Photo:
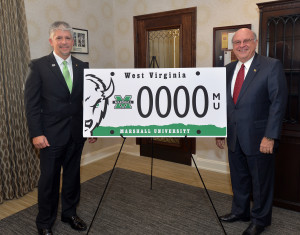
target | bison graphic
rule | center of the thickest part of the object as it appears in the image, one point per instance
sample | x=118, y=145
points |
x=96, y=101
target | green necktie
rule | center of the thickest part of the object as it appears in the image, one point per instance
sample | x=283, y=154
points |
x=67, y=76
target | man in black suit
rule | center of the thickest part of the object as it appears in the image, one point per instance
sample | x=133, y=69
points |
x=53, y=101
x=256, y=100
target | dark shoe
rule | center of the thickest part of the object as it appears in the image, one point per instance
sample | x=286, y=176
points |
x=254, y=229
x=75, y=222
x=45, y=231
x=232, y=218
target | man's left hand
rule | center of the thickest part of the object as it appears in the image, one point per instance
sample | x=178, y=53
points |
x=266, y=145
x=92, y=140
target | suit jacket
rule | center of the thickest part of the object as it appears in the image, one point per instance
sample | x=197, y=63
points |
x=260, y=107
x=50, y=108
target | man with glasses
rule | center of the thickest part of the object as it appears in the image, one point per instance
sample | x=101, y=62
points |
x=256, y=100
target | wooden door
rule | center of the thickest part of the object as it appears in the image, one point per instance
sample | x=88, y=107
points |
x=182, y=21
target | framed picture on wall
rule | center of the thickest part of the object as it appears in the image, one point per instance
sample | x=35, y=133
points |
x=222, y=44
x=81, y=42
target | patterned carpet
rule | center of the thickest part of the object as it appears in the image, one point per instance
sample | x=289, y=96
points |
x=131, y=207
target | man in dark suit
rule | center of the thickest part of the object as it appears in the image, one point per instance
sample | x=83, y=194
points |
x=53, y=101
x=256, y=100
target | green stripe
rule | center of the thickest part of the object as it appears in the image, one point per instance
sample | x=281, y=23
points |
x=173, y=130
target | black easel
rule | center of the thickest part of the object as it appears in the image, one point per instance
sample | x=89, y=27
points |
x=152, y=153
x=107, y=183
x=151, y=161
x=207, y=193
x=153, y=62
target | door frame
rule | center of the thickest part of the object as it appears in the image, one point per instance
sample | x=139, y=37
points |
x=184, y=19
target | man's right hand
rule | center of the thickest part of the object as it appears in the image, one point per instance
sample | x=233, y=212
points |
x=40, y=142
x=220, y=142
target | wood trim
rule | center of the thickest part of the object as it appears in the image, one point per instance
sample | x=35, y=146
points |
x=167, y=13
x=277, y=5
x=185, y=20
x=215, y=29
x=187, y=14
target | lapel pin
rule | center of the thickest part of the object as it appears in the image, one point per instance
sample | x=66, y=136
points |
x=53, y=65
x=254, y=70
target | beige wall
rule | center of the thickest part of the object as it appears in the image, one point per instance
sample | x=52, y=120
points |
x=95, y=16
x=110, y=28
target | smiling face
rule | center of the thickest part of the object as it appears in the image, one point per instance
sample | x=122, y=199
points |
x=244, y=44
x=62, y=43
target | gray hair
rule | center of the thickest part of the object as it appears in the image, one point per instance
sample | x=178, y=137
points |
x=59, y=25
x=254, y=35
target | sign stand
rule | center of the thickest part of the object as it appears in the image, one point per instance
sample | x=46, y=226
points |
x=107, y=183
x=151, y=160
x=207, y=193
x=112, y=171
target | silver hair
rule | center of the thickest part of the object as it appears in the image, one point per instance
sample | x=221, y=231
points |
x=59, y=25
x=254, y=35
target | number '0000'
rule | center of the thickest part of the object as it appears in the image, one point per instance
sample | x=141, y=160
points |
x=169, y=101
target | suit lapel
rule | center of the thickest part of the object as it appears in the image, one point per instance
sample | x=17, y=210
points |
x=76, y=78
x=54, y=67
x=229, y=81
x=254, y=68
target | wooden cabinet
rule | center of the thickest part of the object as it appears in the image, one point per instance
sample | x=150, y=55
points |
x=279, y=37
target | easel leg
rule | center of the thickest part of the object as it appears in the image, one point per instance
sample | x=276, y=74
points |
x=211, y=202
x=152, y=164
x=107, y=183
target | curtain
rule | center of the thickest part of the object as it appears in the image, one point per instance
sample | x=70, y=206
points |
x=19, y=163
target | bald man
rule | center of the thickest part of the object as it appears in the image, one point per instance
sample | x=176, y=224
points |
x=256, y=101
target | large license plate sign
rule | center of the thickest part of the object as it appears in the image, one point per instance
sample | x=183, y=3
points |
x=166, y=102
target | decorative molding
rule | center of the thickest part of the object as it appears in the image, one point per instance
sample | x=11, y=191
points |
x=99, y=154
x=211, y=165
x=205, y=164
x=107, y=152
x=278, y=5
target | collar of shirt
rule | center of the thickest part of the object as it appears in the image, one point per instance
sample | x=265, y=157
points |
x=60, y=61
x=247, y=65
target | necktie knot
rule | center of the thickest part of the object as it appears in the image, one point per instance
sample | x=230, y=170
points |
x=67, y=76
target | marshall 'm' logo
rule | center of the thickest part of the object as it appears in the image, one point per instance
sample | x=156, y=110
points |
x=121, y=103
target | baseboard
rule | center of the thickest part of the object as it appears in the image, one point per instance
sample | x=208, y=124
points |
x=107, y=152
x=205, y=164
x=212, y=165
x=99, y=154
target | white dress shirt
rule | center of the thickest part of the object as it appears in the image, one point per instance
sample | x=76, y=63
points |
x=237, y=69
x=60, y=61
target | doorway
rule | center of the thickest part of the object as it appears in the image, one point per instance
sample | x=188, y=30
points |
x=166, y=40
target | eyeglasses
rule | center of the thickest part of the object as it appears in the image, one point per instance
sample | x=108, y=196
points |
x=246, y=41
